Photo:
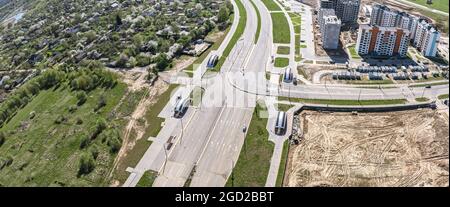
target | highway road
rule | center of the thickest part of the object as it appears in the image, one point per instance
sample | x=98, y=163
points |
x=216, y=164
x=209, y=142
x=212, y=143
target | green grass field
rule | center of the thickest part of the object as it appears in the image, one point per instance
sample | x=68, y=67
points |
x=422, y=99
x=237, y=34
x=253, y=164
x=370, y=82
x=281, y=62
x=283, y=162
x=46, y=152
x=281, y=31
x=444, y=96
x=154, y=122
x=271, y=5
x=258, y=28
x=297, y=21
x=344, y=102
x=441, y=5
x=147, y=179
x=283, y=50
x=353, y=53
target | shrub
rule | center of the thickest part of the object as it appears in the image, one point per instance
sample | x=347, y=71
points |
x=2, y=138
x=81, y=97
x=72, y=109
x=114, y=144
x=32, y=115
x=99, y=127
x=85, y=142
x=87, y=164
x=101, y=103
x=94, y=152
x=60, y=119
x=79, y=121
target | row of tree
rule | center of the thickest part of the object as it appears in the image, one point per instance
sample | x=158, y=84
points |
x=84, y=79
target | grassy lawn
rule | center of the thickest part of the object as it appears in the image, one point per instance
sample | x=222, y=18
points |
x=197, y=95
x=298, y=55
x=154, y=126
x=154, y=122
x=271, y=5
x=283, y=50
x=282, y=169
x=441, y=5
x=283, y=107
x=237, y=34
x=253, y=165
x=345, y=102
x=295, y=18
x=353, y=53
x=46, y=153
x=281, y=30
x=370, y=82
x=147, y=179
x=444, y=96
x=422, y=99
x=258, y=28
x=281, y=62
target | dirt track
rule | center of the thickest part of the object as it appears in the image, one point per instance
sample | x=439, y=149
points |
x=379, y=149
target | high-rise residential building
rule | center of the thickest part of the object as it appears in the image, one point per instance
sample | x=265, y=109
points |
x=346, y=10
x=327, y=4
x=424, y=36
x=382, y=41
x=426, y=39
x=323, y=13
x=330, y=28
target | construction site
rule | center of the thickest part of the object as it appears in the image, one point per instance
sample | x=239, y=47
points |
x=394, y=149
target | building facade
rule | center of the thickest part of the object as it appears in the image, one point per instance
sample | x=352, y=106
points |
x=382, y=41
x=423, y=35
x=426, y=39
x=330, y=30
x=346, y=10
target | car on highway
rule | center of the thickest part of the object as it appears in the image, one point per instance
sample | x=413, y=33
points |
x=281, y=123
x=212, y=61
x=288, y=76
x=181, y=107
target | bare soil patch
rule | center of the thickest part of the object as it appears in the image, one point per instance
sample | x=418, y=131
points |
x=407, y=148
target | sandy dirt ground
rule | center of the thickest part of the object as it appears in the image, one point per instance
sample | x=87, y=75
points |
x=135, y=79
x=407, y=148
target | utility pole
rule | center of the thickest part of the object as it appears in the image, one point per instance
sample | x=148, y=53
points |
x=165, y=163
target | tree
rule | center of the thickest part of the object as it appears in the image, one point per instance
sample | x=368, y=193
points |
x=101, y=102
x=118, y=20
x=2, y=138
x=85, y=142
x=122, y=61
x=162, y=62
x=223, y=14
x=114, y=144
x=87, y=164
x=90, y=36
x=229, y=5
x=82, y=97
